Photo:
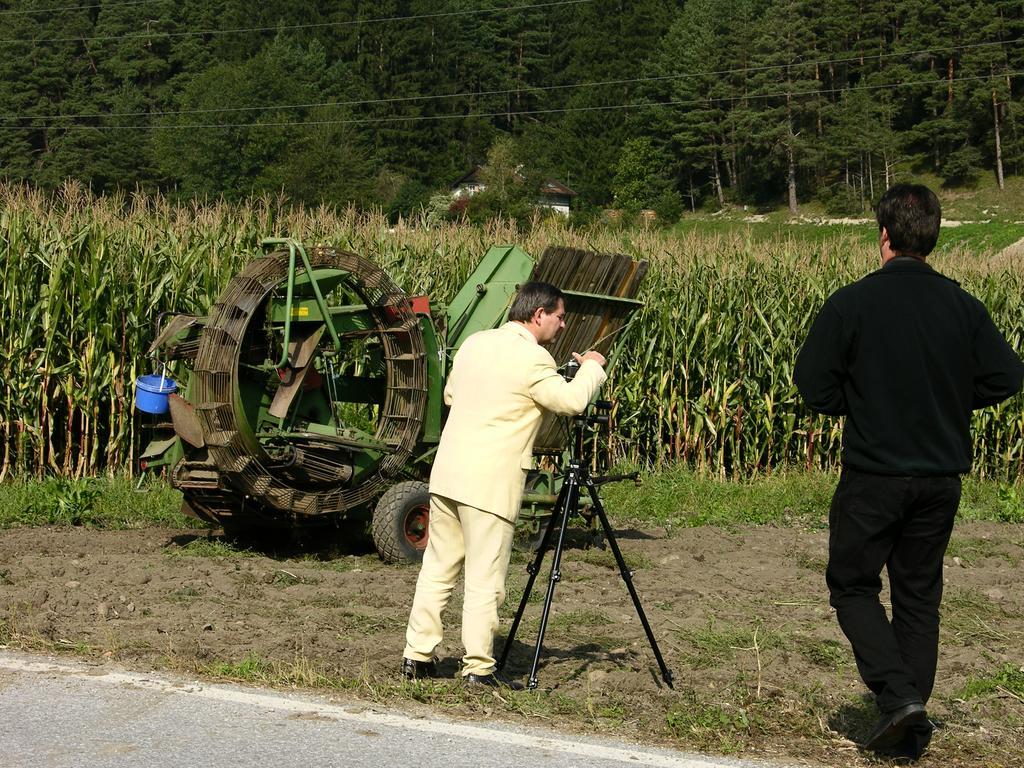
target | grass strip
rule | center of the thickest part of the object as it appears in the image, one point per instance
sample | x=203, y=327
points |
x=682, y=498
x=673, y=498
x=112, y=503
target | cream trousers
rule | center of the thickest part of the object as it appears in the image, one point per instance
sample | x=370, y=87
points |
x=461, y=535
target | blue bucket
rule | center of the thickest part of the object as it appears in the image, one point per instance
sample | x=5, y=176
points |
x=151, y=392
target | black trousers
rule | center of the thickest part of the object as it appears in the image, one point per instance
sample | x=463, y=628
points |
x=903, y=524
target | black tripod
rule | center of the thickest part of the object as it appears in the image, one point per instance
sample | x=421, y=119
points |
x=577, y=476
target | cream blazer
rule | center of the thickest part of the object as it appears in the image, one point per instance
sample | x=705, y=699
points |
x=500, y=383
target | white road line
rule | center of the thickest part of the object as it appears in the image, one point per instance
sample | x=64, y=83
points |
x=359, y=714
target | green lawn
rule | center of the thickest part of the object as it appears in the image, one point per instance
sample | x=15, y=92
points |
x=993, y=219
x=978, y=237
x=682, y=498
x=116, y=503
x=672, y=498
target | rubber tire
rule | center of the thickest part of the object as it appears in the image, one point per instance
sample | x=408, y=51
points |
x=391, y=520
x=528, y=543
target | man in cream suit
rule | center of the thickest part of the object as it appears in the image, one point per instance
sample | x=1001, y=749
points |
x=501, y=382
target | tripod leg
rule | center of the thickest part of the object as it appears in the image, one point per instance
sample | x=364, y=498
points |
x=666, y=673
x=533, y=569
x=570, y=503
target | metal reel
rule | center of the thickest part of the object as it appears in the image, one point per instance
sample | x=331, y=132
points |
x=326, y=431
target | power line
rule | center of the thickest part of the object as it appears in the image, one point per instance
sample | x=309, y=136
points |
x=525, y=113
x=27, y=11
x=525, y=89
x=293, y=27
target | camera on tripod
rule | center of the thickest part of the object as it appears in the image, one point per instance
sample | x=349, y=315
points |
x=586, y=430
x=589, y=430
x=598, y=415
x=570, y=369
x=590, y=436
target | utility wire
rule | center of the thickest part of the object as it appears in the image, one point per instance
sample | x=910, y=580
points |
x=506, y=91
x=292, y=27
x=27, y=11
x=530, y=112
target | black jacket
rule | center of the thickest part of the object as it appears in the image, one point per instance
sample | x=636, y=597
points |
x=906, y=354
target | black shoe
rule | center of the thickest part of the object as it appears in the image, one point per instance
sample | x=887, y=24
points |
x=892, y=727
x=914, y=742
x=413, y=670
x=493, y=680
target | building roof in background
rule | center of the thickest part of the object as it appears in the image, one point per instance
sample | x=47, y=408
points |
x=472, y=177
x=554, y=187
x=547, y=187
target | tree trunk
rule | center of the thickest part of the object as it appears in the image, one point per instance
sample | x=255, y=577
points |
x=730, y=171
x=717, y=178
x=1009, y=116
x=519, y=76
x=819, y=126
x=999, y=145
x=733, y=165
x=791, y=158
x=949, y=84
x=862, y=181
x=791, y=161
x=871, y=177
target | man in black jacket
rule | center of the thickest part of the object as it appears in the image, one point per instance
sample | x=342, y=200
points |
x=906, y=355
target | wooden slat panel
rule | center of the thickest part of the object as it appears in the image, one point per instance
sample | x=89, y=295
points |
x=589, y=324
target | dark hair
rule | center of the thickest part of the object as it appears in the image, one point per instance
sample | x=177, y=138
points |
x=534, y=296
x=911, y=214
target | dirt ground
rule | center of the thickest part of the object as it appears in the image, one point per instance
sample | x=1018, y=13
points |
x=741, y=616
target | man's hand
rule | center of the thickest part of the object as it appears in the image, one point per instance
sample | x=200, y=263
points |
x=597, y=357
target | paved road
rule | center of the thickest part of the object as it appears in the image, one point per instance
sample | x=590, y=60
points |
x=58, y=714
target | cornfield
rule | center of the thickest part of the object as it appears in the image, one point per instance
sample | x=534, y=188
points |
x=704, y=376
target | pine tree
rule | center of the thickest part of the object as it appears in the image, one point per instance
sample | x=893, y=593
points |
x=45, y=75
x=783, y=95
x=997, y=26
x=690, y=97
x=938, y=130
x=603, y=42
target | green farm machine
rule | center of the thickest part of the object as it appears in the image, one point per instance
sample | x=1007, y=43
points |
x=311, y=393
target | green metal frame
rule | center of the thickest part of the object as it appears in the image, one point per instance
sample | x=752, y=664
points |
x=484, y=299
x=294, y=247
x=433, y=415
